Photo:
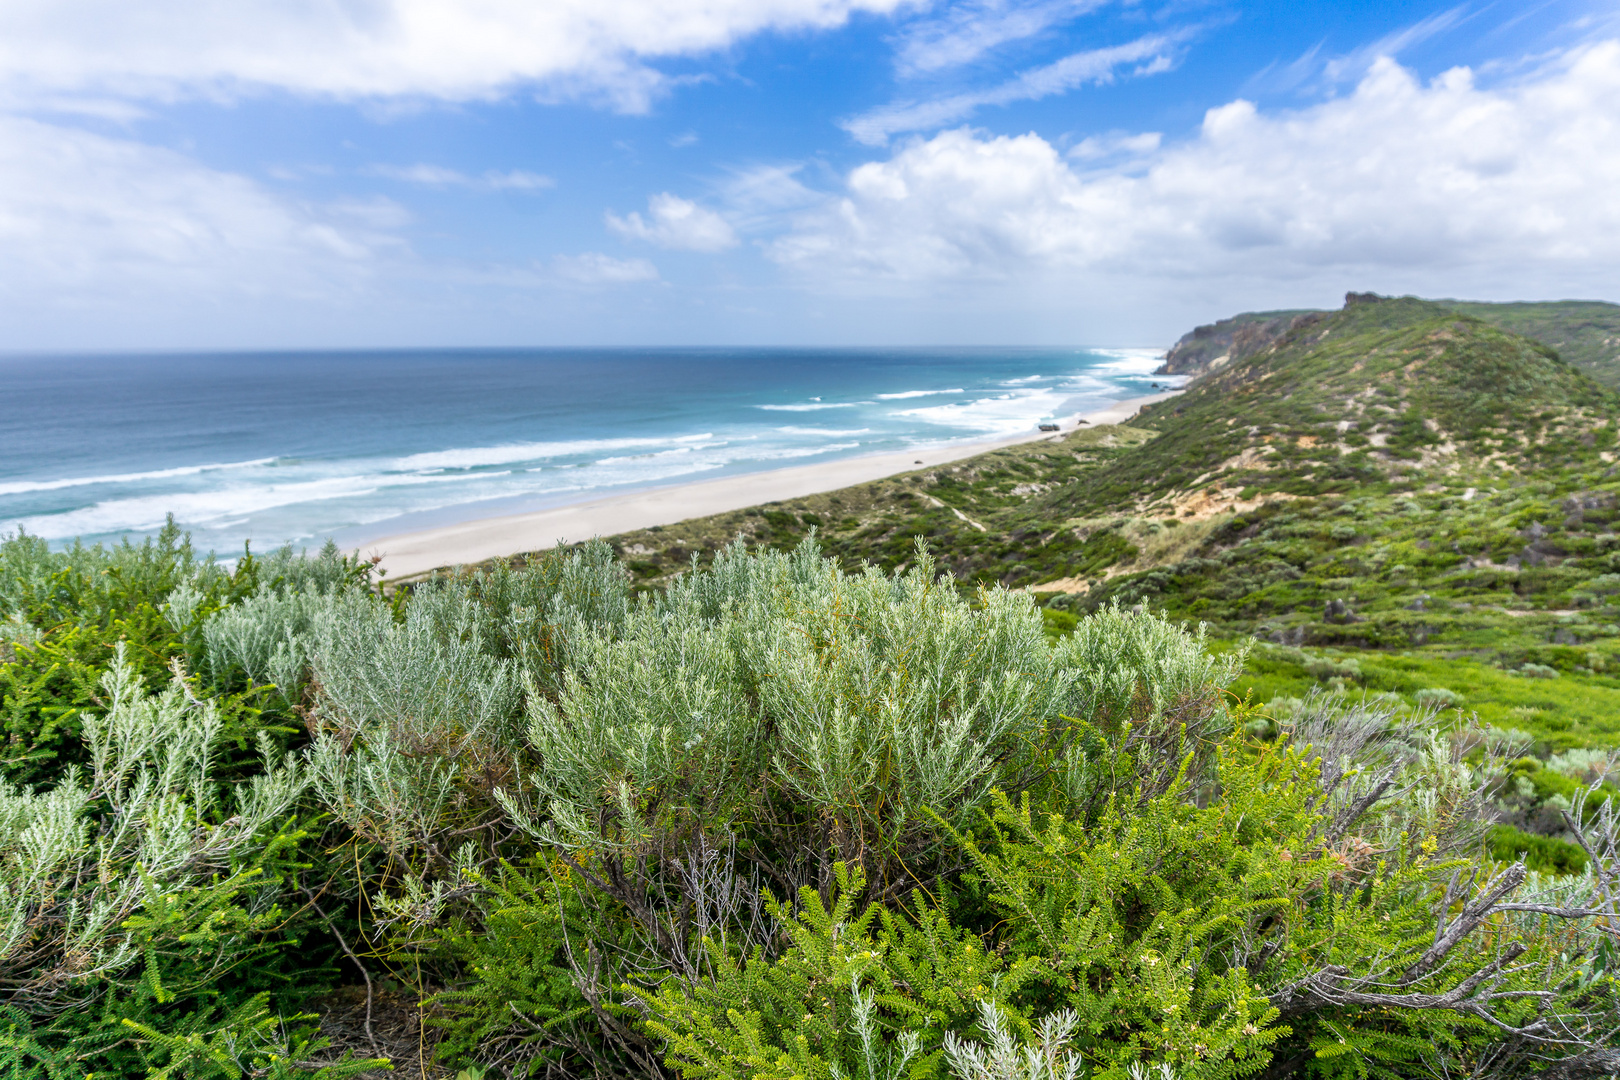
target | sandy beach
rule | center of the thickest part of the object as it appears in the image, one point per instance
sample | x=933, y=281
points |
x=410, y=554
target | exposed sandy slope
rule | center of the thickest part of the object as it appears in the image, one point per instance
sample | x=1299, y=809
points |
x=409, y=554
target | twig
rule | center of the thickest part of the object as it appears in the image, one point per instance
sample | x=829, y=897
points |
x=364, y=974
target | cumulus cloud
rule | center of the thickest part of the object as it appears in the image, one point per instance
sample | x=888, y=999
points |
x=437, y=176
x=676, y=223
x=445, y=49
x=1150, y=53
x=84, y=215
x=1444, y=177
x=595, y=268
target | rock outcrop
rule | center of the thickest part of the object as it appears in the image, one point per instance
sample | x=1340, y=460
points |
x=1212, y=346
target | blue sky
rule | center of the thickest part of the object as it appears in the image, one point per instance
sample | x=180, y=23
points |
x=382, y=172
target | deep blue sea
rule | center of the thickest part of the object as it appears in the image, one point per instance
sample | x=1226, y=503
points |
x=296, y=447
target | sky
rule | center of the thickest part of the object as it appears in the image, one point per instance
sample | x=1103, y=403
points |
x=350, y=173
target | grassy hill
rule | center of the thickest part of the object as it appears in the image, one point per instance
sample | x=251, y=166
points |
x=1584, y=332
x=1424, y=500
x=1380, y=389
x=1390, y=423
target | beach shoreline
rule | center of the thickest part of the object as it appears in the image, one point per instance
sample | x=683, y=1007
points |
x=408, y=555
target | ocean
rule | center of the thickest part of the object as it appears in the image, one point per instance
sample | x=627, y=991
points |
x=278, y=448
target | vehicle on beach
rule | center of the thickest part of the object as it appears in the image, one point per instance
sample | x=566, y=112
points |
x=1049, y=423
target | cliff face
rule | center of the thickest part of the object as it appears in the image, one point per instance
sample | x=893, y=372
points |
x=1219, y=343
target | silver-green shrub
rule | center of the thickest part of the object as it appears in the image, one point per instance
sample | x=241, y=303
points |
x=865, y=702
x=404, y=712
x=148, y=817
x=295, y=570
x=1001, y=1057
x=267, y=635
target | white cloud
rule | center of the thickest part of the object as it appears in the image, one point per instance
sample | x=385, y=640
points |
x=676, y=223
x=965, y=32
x=440, y=177
x=764, y=198
x=514, y=180
x=595, y=268
x=445, y=49
x=1435, y=182
x=1116, y=145
x=91, y=220
x=1092, y=66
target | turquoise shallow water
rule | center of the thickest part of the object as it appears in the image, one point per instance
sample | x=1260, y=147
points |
x=295, y=447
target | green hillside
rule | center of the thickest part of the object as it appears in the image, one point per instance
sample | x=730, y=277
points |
x=1585, y=332
x=1380, y=389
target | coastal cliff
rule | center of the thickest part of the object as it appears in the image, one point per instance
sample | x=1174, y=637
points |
x=1217, y=343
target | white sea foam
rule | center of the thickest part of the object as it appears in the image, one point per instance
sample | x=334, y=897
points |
x=830, y=432
x=804, y=451
x=917, y=393
x=212, y=507
x=23, y=487
x=660, y=461
x=1082, y=381
x=1002, y=414
x=474, y=456
x=814, y=406
x=1130, y=361
x=672, y=452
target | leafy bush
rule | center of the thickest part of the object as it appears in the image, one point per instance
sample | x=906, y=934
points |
x=1545, y=854
x=855, y=993
x=517, y=951
x=1177, y=934
x=1439, y=698
x=849, y=709
x=142, y=892
x=777, y=819
x=145, y=824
